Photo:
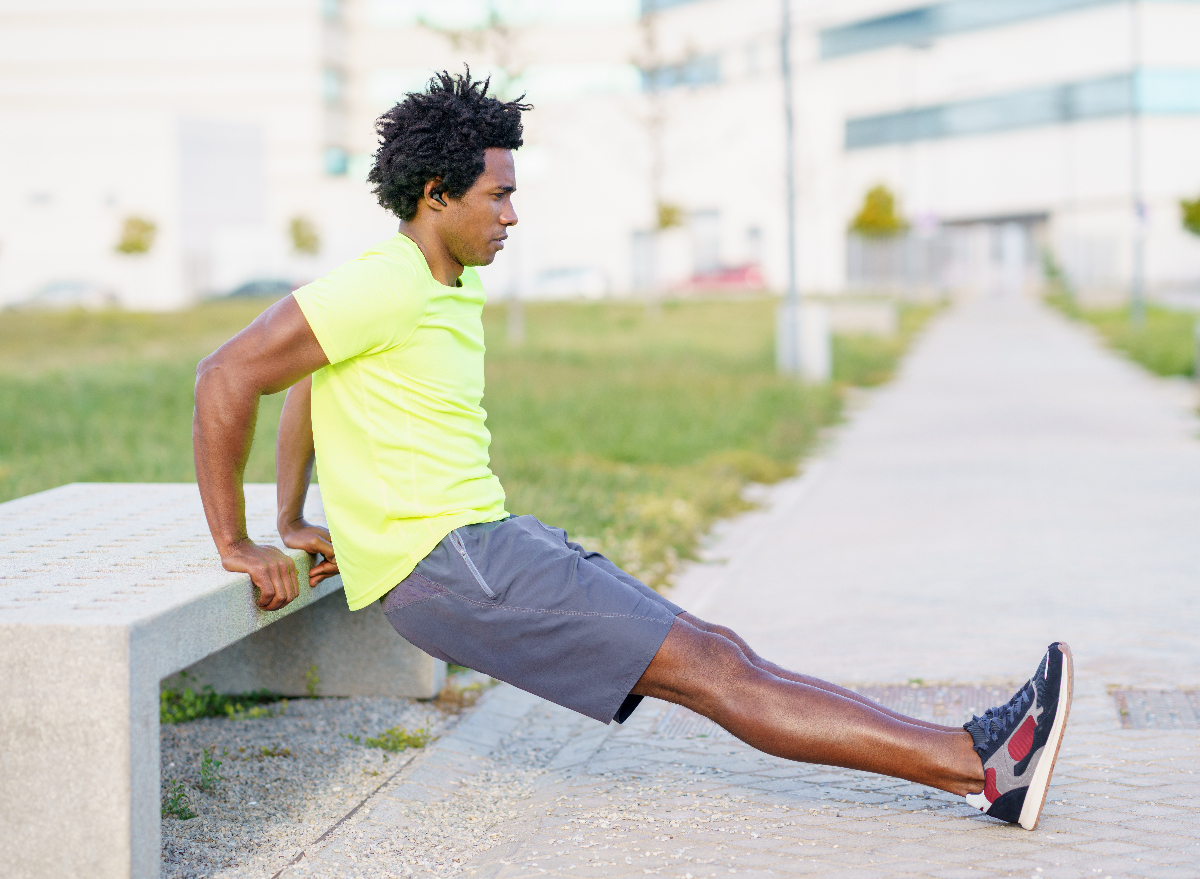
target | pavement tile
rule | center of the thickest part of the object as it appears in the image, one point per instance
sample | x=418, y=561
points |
x=1110, y=847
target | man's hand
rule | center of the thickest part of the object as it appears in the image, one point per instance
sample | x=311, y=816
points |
x=313, y=539
x=273, y=572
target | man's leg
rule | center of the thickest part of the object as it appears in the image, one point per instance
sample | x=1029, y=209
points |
x=712, y=675
x=787, y=675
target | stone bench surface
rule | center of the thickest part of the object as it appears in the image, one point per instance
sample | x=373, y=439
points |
x=138, y=556
x=105, y=590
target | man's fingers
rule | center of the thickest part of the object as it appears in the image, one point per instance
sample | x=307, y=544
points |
x=285, y=570
x=327, y=568
x=266, y=590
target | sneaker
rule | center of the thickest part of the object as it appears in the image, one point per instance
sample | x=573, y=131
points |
x=1018, y=742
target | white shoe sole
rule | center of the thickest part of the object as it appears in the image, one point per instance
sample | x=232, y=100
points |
x=1039, y=785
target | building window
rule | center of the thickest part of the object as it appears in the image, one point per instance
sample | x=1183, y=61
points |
x=337, y=161
x=927, y=23
x=333, y=83
x=1155, y=91
x=649, y=6
x=701, y=70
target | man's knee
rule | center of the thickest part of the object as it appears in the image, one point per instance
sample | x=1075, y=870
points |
x=723, y=631
x=696, y=664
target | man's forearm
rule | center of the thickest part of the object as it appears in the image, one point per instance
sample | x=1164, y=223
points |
x=222, y=431
x=294, y=453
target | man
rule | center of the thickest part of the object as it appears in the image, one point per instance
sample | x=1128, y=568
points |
x=384, y=359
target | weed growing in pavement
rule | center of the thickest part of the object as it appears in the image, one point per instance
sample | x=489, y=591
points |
x=312, y=682
x=398, y=738
x=210, y=769
x=454, y=698
x=187, y=703
x=176, y=804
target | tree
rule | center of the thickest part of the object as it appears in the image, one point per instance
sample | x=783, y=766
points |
x=1191, y=215
x=137, y=235
x=304, y=236
x=877, y=218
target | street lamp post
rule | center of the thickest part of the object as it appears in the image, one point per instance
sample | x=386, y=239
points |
x=1138, y=285
x=787, y=332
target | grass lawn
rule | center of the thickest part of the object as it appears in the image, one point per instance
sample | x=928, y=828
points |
x=1165, y=344
x=634, y=433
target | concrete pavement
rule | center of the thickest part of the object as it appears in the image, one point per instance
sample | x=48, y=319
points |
x=1016, y=484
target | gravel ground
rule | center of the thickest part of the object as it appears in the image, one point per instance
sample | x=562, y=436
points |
x=285, y=779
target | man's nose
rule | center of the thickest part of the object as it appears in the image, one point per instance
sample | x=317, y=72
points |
x=508, y=217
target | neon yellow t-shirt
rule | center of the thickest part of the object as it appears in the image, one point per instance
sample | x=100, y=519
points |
x=402, y=446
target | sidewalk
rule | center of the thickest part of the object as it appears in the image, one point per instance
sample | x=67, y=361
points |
x=1015, y=485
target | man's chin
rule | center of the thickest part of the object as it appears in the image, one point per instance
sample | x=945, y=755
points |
x=480, y=260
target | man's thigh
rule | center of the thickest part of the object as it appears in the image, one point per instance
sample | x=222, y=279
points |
x=516, y=602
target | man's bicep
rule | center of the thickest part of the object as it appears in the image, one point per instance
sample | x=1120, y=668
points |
x=277, y=350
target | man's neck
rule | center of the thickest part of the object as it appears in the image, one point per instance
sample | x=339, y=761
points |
x=444, y=268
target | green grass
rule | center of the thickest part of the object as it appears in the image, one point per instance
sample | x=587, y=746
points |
x=866, y=361
x=107, y=396
x=634, y=433
x=1165, y=344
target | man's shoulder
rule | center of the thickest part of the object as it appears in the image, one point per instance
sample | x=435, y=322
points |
x=389, y=266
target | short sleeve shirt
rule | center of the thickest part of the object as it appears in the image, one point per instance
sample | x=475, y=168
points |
x=401, y=439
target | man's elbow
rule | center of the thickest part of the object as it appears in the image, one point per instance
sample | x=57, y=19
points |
x=215, y=378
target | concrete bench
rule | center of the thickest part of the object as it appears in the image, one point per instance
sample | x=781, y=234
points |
x=107, y=589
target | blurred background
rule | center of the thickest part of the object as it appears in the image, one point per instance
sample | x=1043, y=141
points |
x=157, y=153
x=168, y=168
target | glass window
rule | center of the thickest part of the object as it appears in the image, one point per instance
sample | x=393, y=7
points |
x=332, y=85
x=1158, y=91
x=337, y=161
x=701, y=70
x=927, y=23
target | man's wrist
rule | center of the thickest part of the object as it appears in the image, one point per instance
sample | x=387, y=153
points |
x=289, y=523
x=229, y=546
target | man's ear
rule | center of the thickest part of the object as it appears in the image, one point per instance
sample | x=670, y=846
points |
x=433, y=197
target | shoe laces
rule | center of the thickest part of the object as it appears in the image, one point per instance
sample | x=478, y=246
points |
x=998, y=719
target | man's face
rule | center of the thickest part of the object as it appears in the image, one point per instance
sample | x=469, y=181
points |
x=474, y=227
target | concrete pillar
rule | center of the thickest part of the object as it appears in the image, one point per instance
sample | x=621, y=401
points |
x=807, y=323
x=78, y=756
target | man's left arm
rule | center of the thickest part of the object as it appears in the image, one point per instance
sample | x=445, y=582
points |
x=295, y=454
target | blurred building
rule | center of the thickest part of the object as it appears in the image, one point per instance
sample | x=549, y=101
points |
x=1017, y=134
x=159, y=152
x=228, y=133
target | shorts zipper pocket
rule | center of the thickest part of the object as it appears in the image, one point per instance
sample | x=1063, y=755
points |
x=462, y=551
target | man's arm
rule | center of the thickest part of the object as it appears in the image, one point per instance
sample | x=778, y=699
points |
x=294, y=458
x=277, y=350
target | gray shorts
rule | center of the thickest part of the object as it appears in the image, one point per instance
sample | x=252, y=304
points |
x=518, y=601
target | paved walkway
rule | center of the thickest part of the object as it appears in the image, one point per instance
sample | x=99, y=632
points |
x=1016, y=484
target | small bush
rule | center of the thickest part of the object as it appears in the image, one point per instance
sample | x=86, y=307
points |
x=137, y=236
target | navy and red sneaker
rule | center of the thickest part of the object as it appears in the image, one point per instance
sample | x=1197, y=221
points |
x=1018, y=742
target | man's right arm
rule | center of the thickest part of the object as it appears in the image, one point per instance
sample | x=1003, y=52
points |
x=277, y=350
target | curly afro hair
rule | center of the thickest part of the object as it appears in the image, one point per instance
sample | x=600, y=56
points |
x=440, y=134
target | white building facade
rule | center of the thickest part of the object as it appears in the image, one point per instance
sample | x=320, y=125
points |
x=1014, y=133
